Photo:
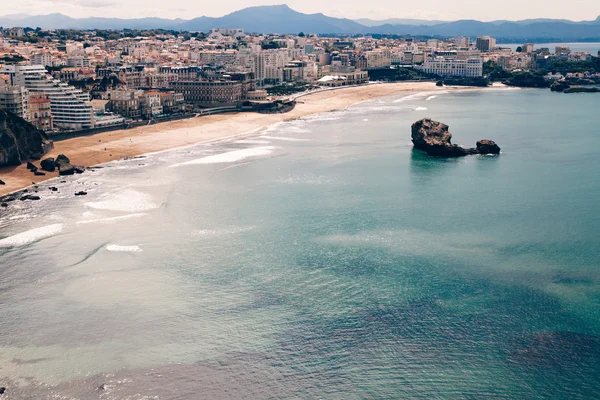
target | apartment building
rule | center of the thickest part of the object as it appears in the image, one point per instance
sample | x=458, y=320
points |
x=70, y=107
x=378, y=59
x=41, y=112
x=41, y=59
x=485, y=43
x=14, y=99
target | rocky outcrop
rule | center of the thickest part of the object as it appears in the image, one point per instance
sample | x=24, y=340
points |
x=435, y=139
x=20, y=140
x=486, y=146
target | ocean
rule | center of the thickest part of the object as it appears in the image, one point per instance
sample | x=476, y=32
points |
x=320, y=258
x=590, y=47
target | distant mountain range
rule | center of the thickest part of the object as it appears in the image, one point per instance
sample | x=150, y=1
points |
x=282, y=19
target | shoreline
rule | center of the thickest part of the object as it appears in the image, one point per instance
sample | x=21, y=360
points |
x=115, y=145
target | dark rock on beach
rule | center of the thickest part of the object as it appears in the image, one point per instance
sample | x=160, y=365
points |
x=53, y=188
x=39, y=173
x=435, y=139
x=4, y=205
x=79, y=169
x=61, y=159
x=2, y=182
x=29, y=197
x=2, y=389
x=31, y=167
x=66, y=169
x=47, y=164
x=81, y=193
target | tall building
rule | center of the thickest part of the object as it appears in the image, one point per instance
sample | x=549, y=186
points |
x=462, y=41
x=485, y=43
x=70, y=107
x=14, y=99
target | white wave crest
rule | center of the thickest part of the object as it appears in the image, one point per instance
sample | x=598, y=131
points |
x=420, y=108
x=220, y=232
x=31, y=236
x=126, y=201
x=252, y=141
x=111, y=219
x=430, y=98
x=231, y=156
x=284, y=139
x=128, y=249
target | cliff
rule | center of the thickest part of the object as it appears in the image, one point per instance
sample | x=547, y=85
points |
x=20, y=141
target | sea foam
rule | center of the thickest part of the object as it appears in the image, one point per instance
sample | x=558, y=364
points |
x=111, y=219
x=284, y=139
x=126, y=201
x=125, y=249
x=31, y=236
x=230, y=156
x=420, y=108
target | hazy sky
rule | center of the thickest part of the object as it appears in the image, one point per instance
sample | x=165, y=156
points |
x=376, y=9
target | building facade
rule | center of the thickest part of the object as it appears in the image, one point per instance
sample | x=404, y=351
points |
x=70, y=107
x=471, y=68
x=210, y=93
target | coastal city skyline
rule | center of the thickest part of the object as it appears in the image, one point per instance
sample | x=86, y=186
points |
x=512, y=10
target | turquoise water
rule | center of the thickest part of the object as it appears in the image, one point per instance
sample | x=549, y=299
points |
x=321, y=258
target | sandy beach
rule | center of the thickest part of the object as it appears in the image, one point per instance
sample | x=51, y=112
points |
x=109, y=146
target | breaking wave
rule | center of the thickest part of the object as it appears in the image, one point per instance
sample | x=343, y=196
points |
x=127, y=249
x=31, y=236
x=126, y=201
x=231, y=156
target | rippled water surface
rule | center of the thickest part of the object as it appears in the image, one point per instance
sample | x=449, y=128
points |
x=320, y=258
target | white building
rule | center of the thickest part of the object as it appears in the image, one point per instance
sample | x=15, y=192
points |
x=471, y=68
x=14, y=99
x=41, y=59
x=70, y=107
x=378, y=59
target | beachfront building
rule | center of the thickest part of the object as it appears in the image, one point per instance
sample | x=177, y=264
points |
x=41, y=112
x=470, y=68
x=210, y=93
x=70, y=107
x=125, y=102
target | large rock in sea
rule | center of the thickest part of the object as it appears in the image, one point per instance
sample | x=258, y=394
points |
x=435, y=138
x=20, y=140
x=486, y=146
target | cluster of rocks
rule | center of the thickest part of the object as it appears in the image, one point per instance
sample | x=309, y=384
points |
x=61, y=163
x=435, y=139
